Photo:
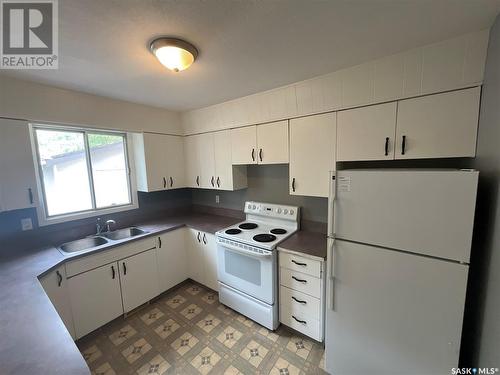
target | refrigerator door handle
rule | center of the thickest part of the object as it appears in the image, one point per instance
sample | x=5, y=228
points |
x=331, y=272
x=331, y=204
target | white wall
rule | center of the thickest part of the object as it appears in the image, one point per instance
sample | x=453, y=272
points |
x=36, y=102
x=448, y=65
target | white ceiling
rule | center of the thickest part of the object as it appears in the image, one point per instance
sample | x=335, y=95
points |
x=245, y=46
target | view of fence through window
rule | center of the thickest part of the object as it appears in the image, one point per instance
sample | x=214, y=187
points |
x=82, y=170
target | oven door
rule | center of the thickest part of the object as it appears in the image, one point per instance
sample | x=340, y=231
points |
x=251, y=273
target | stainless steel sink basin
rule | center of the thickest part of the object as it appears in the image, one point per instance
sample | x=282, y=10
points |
x=121, y=234
x=83, y=244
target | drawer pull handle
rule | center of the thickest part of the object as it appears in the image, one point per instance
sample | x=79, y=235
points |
x=299, y=301
x=299, y=280
x=300, y=321
x=112, y=272
x=124, y=268
x=299, y=264
x=59, y=278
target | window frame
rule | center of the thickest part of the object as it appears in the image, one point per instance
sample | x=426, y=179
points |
x=43, y=216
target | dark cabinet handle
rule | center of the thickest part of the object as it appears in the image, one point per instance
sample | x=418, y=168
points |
x=298, y=263
x=159, y=242
x=198, y=180
x=59, y=278
x=299, y=301
x=112, y=272
x=299, y=280
x=386, y=146
x=403, y=145
x=212, y=181
x=30, y=195
x=300, y=321
x=124, y=268
x=171, y=182
x=218, y=181
x=293, y=184
x=260, y=154
x=164, y=183
x=253, y=154
x=204, y=238
x=198, y=236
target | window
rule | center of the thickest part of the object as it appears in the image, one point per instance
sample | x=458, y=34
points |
x=82, y=171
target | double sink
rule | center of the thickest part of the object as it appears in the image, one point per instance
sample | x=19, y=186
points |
x=101, y=239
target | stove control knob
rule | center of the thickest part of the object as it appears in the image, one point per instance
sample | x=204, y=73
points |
x=278, y=210
x=285, y=211
x=291, y=212
x=254, y=207
x=249, y=206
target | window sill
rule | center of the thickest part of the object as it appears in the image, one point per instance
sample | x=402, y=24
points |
x=44, y=221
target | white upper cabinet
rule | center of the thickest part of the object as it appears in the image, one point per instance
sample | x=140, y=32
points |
x=272, y=143
x=366, y=133
x=206, y=159
x=17, y=169
x=227, y=176
x=312, y=154
x=260, y=144
x=243, y=145
x=159, y=161
x=438, y=126
x=192, y=161
x=452, y=64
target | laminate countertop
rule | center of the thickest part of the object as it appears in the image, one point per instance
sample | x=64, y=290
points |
x=311, y=244
x=33, y=339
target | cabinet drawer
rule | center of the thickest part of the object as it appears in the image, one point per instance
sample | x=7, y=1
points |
x=299, y=303
x=300, y=264
x=304, y=324
x=301, y=282
x=91, y=261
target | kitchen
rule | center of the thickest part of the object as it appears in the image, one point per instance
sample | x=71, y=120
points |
x=202, y=212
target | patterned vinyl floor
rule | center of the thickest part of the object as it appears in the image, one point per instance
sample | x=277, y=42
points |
x=187, y=331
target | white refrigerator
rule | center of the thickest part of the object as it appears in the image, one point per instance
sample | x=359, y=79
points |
x=398, y=259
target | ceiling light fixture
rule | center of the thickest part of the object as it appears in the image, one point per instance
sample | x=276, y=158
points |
x=175, y=54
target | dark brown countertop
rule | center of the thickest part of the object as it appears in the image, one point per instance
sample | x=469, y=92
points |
x=34, y=339
x=308, y=243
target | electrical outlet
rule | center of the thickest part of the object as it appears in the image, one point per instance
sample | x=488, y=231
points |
x=217, y=200
x=26, y=224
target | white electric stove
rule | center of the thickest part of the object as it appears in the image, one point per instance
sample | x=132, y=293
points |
x=247, y=260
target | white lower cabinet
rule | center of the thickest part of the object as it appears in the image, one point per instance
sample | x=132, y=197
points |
x=202, y=256
x=56, y=288
x=139, y=279
x=302, y=291
x=95, y=298
x=172, y=259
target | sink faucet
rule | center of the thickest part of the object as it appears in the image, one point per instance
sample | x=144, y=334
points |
x=107, y=225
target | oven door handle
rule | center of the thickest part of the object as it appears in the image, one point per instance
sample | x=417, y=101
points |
x=236, y=249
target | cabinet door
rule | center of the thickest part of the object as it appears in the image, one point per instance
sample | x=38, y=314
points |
x=16, y=166
x=155, y=155
x=55, y=287
x=210, y=253
x=196, y=268
x=223, y=161
x=95, y=298
x=366, y=133
x=244, y=144
x=438, y=126
x=174, y=161
x=139, y=279
x=272, y=141
x=312, y=154
x=172, y=259
x=191, y=153
x=207, y=160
